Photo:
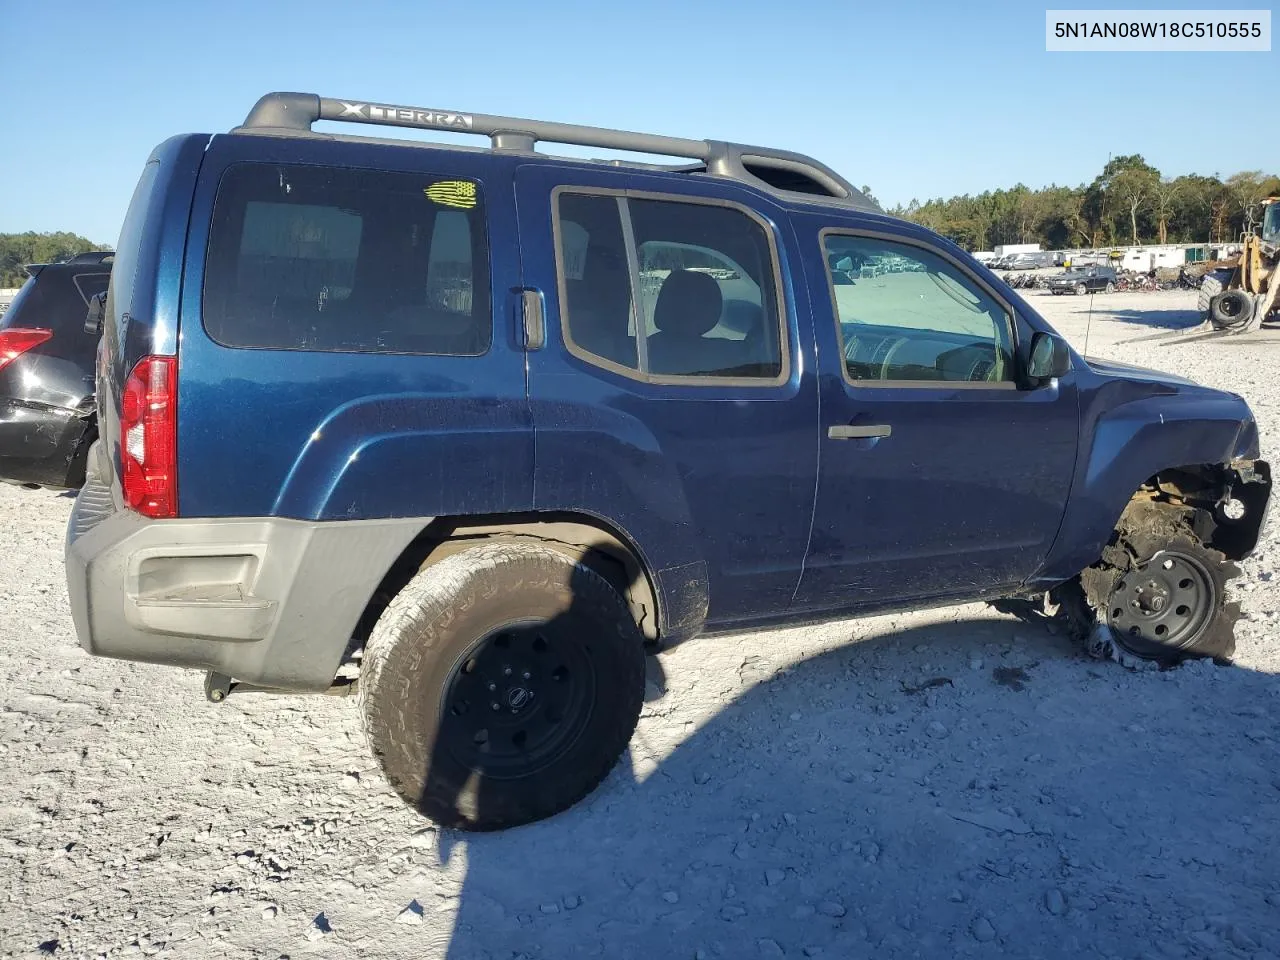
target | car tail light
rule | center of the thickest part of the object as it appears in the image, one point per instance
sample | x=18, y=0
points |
x=18, y=340
x=149, y=437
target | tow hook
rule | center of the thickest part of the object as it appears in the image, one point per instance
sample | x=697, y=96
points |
x=219, y=686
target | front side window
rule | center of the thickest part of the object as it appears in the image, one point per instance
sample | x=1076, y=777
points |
x=321, y=258
x=667, y=289
x=908, y=314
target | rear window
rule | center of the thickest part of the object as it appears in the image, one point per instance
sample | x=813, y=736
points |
x=320, y=258
x=24, y=307
x=54, y=298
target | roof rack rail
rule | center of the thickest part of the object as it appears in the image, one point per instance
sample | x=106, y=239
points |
x=776, y=171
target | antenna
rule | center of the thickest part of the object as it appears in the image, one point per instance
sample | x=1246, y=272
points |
x=1088, y=326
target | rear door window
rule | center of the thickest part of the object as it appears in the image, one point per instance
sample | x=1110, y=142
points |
x=699, y=277
x=321, y=258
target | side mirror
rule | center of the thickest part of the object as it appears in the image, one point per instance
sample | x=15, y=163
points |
x=1049, y=358
x=97, y=308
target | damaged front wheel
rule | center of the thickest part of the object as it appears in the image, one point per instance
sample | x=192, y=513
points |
x=1161, y=592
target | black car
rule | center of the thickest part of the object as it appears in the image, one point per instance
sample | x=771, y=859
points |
x=47, y=416
x=1082, y=280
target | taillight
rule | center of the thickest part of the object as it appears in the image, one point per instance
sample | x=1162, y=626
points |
x=18, y=340
x=149, y=437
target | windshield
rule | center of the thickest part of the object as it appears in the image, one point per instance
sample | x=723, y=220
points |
x=1271, y=223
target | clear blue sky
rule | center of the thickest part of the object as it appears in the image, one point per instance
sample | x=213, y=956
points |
x=914, y=99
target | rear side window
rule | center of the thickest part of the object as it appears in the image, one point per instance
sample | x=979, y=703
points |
x=91, y=284
x=320, y=258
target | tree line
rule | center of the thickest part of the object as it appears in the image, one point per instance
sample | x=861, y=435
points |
x=19, y=249
x=1129, y=202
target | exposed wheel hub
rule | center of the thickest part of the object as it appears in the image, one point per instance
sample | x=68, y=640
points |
x=1151, y=598
x=1166, y=601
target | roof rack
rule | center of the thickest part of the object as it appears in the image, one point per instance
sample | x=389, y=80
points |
x=776, y=171
x=93, y=256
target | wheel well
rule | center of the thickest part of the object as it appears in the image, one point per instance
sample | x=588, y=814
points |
x=583, y=538
x=1203, y=491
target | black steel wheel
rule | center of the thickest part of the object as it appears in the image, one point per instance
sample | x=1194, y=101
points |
x=518, y=699
x=501, y=685
x=1160, y=590
x=1166, y=602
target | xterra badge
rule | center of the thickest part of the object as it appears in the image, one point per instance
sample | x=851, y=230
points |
x=376, y=112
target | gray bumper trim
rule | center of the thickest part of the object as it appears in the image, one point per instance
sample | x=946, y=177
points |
x=268, y=601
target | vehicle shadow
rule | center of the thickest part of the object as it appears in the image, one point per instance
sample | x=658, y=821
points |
x=925, y=792
x=1170, y=319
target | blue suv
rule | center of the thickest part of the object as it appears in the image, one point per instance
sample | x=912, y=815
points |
x=494, y=424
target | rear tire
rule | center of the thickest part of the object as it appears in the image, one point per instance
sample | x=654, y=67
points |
x=501, y=685
x=1081, y=289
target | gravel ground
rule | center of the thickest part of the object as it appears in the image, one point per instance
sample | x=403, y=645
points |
x=941, y=784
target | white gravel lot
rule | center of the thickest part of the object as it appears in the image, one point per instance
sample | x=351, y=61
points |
x=788, y=795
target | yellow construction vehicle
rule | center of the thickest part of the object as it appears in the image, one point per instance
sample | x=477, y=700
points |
x=1249, y=297
x=1239, y=294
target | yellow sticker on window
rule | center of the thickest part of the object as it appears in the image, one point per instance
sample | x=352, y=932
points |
x=453, y=193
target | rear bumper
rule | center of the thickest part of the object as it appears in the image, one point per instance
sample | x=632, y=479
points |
x=42, y=445
x=265, y=600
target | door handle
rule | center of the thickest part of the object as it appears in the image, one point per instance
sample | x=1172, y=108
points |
x=859, y=432
x=533, y=318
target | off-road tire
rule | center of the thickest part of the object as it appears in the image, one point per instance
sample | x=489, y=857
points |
x=1143, y=536
x=428, y=636
x=1210, y=287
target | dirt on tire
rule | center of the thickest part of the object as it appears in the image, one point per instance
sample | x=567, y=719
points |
x=433, y=623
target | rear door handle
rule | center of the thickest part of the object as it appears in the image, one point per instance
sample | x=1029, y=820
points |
x=859, y=432
x=533, y=317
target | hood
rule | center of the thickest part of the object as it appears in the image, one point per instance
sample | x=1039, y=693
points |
x=1128, y=371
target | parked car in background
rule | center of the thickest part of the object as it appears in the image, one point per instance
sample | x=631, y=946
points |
x=1082, y=280
x=1030, y=261
x=47, y=417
